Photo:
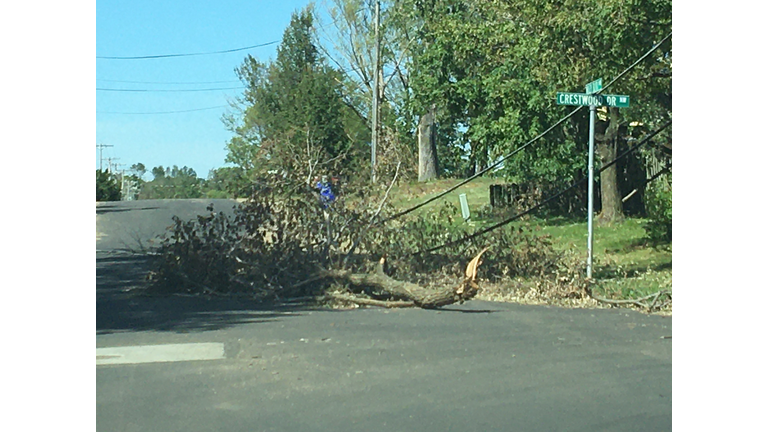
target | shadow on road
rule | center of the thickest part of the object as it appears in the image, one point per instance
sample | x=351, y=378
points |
x=120, y=306
x=470, y=311
x=106, y=209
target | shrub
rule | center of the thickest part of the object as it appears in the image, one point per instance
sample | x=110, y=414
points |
x=658, y=204
x=107, y=188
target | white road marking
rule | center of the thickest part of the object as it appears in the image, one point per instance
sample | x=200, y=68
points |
x=159, y=353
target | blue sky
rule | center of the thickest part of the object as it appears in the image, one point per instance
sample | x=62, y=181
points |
x=195, y=139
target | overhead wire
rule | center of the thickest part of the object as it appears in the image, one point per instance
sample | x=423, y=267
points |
x=163, y=112
x=159, y=56
x=169, y=82
x=637, y=62
x=144, y=57
x=147, y=57
x=169, y=90
x=667, y=169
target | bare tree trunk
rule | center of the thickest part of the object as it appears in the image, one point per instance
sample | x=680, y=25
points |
x=427, y=146
x=480, y=157
x=610, y=197
x=420, y=297
x=408, y=294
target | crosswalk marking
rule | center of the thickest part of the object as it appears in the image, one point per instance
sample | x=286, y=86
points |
x=159, y=353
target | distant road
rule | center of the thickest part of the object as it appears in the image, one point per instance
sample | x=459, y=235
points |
x=194, y=364
x=129, y=225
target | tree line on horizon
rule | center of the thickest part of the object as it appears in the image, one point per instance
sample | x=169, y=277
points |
x=167, y=183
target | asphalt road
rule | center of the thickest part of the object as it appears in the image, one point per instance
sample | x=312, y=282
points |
x=480, y=366
x=134, y=225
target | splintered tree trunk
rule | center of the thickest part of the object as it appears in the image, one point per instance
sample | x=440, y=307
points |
x=409, y=294
x=610, y=197
x=427, y=147
x=420, y=297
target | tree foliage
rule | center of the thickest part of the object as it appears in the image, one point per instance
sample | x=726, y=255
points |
x=172, y=183
x=493, y=69
x=107, y=187
x=658, y=202
x=293, y=106
x=226, y=182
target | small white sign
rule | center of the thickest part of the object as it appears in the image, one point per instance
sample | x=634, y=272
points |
x=464, y=206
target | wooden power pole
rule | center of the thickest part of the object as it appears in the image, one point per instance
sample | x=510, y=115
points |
x=375, y=92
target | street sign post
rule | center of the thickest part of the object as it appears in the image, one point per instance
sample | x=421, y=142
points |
x=592, y=101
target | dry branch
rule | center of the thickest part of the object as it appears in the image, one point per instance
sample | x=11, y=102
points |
x=640, y=301
x=372, y=302
x=373, y=218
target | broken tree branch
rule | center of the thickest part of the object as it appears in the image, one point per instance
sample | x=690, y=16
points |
x=410, y=292
x=373, y=218
x=372, y=302
x=639, y=301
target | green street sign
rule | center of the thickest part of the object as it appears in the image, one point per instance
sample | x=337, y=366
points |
x=595, y=86
x=618, y=101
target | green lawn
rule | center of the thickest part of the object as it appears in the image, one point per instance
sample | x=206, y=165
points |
x=410, y=194
x=625, y=264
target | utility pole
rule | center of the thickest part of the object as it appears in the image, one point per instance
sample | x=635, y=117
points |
x=124, y=184
x=109, y=161
x=101, y=154
x=375, y=92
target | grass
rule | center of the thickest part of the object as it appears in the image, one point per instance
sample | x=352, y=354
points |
x=625, y=264
x=406, y=195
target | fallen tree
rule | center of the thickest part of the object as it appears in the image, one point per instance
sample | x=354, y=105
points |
x=405, y=294
x=284, y=243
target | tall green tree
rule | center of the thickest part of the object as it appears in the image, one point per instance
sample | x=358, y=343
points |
x=493, y=68
x=292, y=114
x=591, y=39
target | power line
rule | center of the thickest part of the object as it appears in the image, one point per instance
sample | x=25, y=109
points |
x=146, y=57
x=180, y=83
x=169, y=82
x=149, y=57
x=637, y=62
x=168, y=90
x=665, y=170
x=162, y=112
x=541, y=204
x=521, y=148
